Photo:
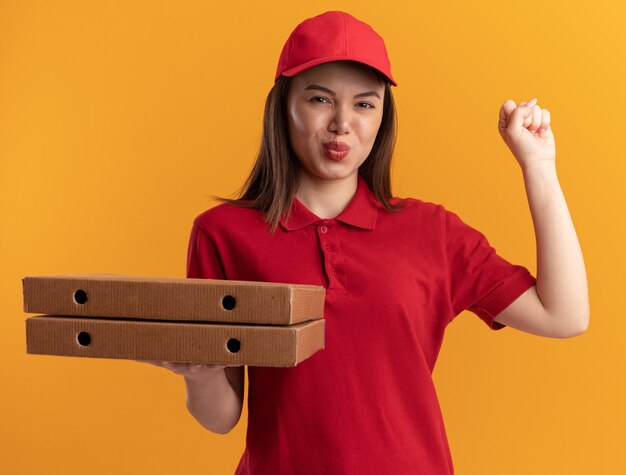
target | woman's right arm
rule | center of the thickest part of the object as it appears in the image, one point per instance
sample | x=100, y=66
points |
x=214, y=393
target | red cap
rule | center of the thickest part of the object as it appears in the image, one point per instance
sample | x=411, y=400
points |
x=333, y=36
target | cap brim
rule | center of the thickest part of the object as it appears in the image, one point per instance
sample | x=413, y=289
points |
x=303, y=67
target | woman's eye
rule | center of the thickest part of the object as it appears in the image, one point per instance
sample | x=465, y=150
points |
x=313, y=99
x=322, y=99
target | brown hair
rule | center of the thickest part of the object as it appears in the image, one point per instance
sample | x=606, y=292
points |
x=271, y=185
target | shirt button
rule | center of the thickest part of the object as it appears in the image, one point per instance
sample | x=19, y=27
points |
x=328, y=248
x=333, y=271
x=324, y=229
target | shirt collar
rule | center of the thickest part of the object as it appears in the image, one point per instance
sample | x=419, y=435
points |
x=361, y=211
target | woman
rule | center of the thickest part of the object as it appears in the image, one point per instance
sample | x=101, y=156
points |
x=318, y=209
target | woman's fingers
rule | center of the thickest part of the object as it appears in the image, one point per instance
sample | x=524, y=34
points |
x=152, y=362
x=166, y=364
x=185, y=368
x=178, y=368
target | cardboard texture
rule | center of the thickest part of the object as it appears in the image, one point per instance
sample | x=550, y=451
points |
x=156, y=298
x=174, y=319
x=185, y=342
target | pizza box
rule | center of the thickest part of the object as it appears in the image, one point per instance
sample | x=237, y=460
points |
x=209, y=343
x=173, y=299
x=173, y=319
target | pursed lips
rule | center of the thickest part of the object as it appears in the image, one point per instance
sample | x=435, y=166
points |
x=337, y=146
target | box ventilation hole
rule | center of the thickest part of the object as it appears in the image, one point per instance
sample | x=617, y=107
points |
x=229, y=302
x=233, y=345
x=80, y=296
x=83, y=338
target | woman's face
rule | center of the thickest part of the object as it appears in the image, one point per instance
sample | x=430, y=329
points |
x=340, y=102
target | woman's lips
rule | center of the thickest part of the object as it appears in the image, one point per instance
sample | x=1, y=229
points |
x=335, y=155
x=336, y=150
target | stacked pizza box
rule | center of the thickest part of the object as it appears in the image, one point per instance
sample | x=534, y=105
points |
x=224, y=322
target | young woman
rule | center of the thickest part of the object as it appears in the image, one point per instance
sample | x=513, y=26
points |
x=318, y=209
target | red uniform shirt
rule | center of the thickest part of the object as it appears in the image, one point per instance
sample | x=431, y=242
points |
x=366, y=403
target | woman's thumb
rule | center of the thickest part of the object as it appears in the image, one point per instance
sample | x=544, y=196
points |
x=518, y=118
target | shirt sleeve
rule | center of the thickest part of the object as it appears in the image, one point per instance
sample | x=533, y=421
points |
x=203, y=260
x=480, y=280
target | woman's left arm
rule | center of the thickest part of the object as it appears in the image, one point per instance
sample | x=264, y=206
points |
x=559, y=305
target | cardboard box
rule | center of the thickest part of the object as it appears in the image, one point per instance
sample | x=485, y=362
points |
x=210, y=343
x=172, y=299
x=173, y=319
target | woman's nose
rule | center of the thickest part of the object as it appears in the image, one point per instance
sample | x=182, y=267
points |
x=340, y=121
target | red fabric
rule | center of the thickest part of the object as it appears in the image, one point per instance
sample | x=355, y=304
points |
x=366, y=403
x=333, y=36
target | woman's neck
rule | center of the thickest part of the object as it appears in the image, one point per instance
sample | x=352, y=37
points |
x=326, y=199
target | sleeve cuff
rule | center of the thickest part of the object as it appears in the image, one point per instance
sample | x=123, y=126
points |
x=495, y=302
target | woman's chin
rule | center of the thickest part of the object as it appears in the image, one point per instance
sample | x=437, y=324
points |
x=334, y=175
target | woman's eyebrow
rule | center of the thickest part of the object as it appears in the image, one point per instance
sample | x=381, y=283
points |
x=332, y=93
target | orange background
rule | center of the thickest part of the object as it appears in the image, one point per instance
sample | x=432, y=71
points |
x=119, y=119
